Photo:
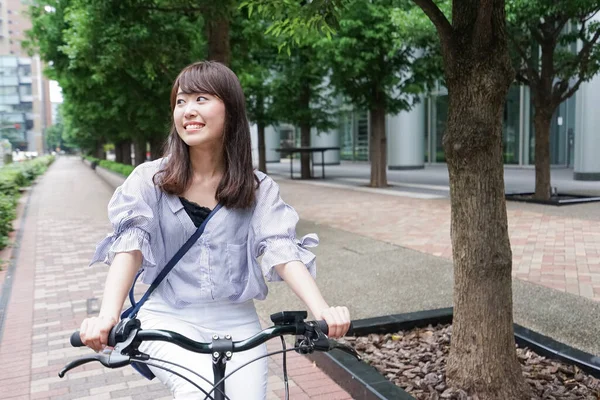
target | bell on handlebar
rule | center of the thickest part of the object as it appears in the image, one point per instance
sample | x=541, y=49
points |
x=288, y=317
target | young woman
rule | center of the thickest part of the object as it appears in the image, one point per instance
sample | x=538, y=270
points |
x=212, y=288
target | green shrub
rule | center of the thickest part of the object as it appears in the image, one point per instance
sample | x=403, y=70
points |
x=119, y=168
x=12, y=178
x=122, y=169
x=8, y=206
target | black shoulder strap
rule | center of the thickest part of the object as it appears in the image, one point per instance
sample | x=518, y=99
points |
x=132, y=312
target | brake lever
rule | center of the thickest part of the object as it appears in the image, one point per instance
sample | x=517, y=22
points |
x=312, y=339
x=110, y=360
x=118, y=357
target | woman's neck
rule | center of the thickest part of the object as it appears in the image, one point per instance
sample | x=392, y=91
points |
x=206, y=164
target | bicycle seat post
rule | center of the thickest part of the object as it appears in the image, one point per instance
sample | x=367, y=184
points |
x=222, y=350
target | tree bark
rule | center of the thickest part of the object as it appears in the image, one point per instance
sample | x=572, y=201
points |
x=305, y=172
x=217, y=31
x=542, y=122
x=140, y=152
x=482, y=359
x=100, y=153
x=262, y=155
x=126, y=151
x=378, y=147
x=119, y=152
x=156, y=147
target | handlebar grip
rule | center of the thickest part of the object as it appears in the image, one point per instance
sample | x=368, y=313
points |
x=76, y=340
x=325, y=328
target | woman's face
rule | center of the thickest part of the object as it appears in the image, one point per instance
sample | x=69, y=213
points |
x=199, y=119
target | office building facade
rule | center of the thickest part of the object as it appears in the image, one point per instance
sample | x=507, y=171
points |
x=24, y=91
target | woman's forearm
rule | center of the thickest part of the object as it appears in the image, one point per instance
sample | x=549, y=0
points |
x=118, y=281
x=303, y=285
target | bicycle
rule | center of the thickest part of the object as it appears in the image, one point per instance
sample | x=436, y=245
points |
x=126, y=337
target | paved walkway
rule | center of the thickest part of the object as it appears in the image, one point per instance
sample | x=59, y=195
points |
x=555, y=247
x=66, y=216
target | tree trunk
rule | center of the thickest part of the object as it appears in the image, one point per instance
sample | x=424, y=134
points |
x=262, y=155
x=305, y=172
x=156, y=147
x=126, y=150
x=119, y=152
x=378, y=147
x=100, y=153
x=217, y=32
x=542, y=121
x=482, y=359
x=140, y=152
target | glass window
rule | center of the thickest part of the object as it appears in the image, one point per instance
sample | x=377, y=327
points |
x=24, y=70
x=346, y=136
x=8, y=90
x=361, y=147
x=25, y=90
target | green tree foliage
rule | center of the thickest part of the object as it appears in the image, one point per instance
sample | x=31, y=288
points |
x=555, y=48
x=383, y=55
x=297, y=22
x=115, y=61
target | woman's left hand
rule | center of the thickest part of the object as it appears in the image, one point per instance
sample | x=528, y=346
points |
x=338, y=320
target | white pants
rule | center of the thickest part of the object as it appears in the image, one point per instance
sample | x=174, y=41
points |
x=199, y=322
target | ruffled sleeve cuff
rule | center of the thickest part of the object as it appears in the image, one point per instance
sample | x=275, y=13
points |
x=281, y=251
x=128, y=240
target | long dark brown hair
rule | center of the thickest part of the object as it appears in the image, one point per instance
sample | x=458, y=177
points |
x=237, y=187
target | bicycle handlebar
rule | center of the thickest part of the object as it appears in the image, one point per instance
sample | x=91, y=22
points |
x=189, y=344
x=127, y=335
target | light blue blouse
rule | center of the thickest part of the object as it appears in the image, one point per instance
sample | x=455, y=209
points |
x=223, y=263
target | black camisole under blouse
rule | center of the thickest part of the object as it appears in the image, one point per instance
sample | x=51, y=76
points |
x=196, y=212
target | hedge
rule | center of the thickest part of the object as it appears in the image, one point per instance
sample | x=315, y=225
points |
x=122, y=169
x=13, y=177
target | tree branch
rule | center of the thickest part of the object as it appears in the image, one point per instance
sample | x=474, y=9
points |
x=533, y=76
x=570, y=93
x=438, y=18
x=561, y=25
x=585, y=17
x=583, y=57
x=586, y=49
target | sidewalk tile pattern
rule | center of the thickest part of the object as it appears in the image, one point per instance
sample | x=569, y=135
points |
x=559, y=252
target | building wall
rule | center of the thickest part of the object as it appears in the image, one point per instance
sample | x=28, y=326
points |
x=24, y=91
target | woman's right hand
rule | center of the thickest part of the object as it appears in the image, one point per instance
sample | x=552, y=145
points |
x=94, y=331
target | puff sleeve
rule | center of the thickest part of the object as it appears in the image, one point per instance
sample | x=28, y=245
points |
x=131, y=213
x=273, y=233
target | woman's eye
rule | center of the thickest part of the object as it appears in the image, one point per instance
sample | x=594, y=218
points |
x=201, y=98
x=180, y=101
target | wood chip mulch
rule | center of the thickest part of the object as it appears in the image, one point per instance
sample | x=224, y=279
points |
x=416, y=361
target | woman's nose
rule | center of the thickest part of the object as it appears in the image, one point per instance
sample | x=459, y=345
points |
x=190, y=111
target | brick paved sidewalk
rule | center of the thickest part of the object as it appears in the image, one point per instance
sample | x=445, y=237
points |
x=553, y=249
x=66, y=216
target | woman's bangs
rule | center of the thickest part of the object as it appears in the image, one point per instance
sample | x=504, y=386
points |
x=195, y=80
